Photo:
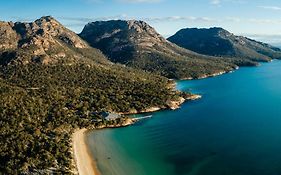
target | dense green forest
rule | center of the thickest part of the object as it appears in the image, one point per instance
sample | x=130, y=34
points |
x=40, y=106
x=51, y=83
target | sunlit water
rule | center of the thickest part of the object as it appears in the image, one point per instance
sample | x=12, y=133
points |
x=235, y=129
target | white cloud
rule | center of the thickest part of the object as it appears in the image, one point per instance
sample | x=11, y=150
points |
x=237, y=1
x=233, y=19
x=214, y=21
x=270, y=7
x=272, y=39
x=180, y=18
x=198, y=19
x=215, y=2
x=265, y=21
x=220, y=2
x=147, y=19
x=85, y=19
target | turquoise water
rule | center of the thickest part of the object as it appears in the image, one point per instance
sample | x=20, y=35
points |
x=235, y=129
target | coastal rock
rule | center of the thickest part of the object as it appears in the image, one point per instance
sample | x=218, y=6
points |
x=134, y=111
x=152, y=109
x=194, y=97
x=123, y=123
x=173, y=105
x=212, y=75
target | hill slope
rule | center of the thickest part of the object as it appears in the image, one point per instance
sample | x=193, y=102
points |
x=138, y=45
x=51, y=83
x=219, y=42
x=43, y=41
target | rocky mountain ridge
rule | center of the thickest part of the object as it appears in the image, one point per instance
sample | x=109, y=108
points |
x=219, y=42
x=137, y=44
x=45, y=41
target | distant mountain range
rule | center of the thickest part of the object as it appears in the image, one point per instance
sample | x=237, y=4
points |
x=219, y=42
x=54, y=81
x=136, y=44
x=190, y=53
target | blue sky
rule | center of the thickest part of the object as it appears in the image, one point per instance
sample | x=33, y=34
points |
x=258, y=19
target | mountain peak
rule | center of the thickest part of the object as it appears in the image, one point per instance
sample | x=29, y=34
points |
x=49, y=18
x=138, y=23
x=217, y=41
x=127, y=33
x=217, y=28
x=44, y=40
x=211, y=30
x=137, y=44
x=122, y=37
x=133, y=25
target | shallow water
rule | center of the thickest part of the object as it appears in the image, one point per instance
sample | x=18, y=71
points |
x=235, y=129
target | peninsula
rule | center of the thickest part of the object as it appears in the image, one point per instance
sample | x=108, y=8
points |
x=54, y=82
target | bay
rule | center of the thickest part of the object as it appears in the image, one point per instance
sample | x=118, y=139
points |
x=235, y=129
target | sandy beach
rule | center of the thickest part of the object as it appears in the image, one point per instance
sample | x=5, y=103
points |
x=83, y=159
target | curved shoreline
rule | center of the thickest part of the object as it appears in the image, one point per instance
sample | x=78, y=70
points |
x=83, y=158
x=85, y=161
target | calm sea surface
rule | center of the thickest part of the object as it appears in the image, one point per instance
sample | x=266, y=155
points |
x=235, y=129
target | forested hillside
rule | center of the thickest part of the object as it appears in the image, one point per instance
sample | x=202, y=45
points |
x=51, y=83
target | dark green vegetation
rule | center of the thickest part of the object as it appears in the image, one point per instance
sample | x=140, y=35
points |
x=51, y=83
x=41, y=105
x=219, y=42
x=136, y=44
x=234, y=130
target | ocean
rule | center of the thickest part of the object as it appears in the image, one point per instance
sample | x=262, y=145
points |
x=235, y=129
